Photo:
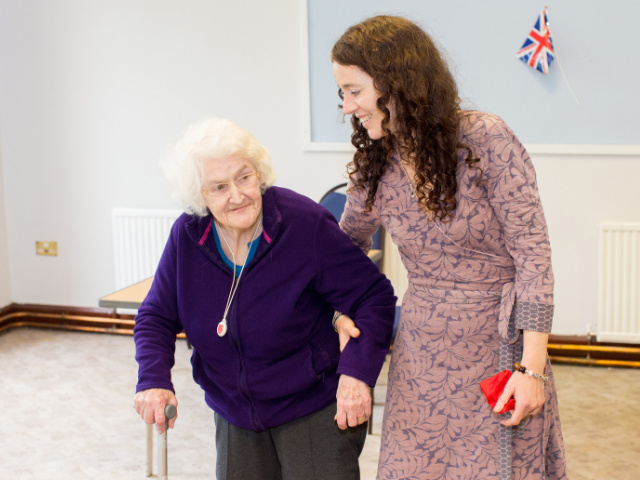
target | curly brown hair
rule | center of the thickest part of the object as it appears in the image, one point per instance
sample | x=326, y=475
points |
x=410, y=74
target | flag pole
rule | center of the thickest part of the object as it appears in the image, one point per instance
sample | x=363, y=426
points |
x=557, y=57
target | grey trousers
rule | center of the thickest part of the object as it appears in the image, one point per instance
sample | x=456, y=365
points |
x=308, y=448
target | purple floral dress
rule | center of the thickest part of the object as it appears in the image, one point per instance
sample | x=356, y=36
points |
x=475, y=283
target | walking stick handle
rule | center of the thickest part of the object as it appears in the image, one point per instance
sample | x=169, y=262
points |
x=170, y=411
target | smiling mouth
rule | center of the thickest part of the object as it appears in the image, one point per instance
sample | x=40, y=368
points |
x=364, y=120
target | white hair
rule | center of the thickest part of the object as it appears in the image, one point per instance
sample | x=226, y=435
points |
x=210, y=138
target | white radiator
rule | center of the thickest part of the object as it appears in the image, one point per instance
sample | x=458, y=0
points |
x=139, y=236
x=619, y=283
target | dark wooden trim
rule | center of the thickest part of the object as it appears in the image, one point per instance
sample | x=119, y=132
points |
x=108, y=320
x=6, y=310
x=105, y=320
x=62, y=309
x=584, y=340
x=80, y=319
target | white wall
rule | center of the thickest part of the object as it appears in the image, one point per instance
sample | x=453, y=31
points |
x=92, y=93
x=577, y=194
x=5, y=279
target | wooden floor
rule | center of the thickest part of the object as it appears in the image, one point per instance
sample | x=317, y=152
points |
x=66, y=402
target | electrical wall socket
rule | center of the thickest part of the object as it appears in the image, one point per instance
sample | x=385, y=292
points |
x=47, y=248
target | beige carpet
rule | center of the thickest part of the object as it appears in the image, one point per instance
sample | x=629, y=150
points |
x=66, y=401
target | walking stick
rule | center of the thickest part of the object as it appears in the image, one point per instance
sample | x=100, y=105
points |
x=169, y=412
x=150, y=450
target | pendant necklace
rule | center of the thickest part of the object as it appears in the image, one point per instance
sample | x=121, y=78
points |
x=431, y=219
x=222, y=326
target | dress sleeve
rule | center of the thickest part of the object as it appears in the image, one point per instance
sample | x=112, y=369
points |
x=510, y=180
x=358, y=226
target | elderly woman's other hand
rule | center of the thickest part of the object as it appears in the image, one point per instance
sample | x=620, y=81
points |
x=346, y=330
x=354, y=402
x=150, y=405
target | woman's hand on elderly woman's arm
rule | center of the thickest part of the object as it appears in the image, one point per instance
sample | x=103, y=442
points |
x=346, y=330
x=150, y=405
x=354, y=396
x=354, y=402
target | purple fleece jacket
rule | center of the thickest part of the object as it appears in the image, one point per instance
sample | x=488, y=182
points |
x=280, y=359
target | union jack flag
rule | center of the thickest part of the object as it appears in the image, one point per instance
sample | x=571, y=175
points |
x=537, y=51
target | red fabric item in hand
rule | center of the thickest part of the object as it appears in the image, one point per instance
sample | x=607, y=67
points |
x=493, y=387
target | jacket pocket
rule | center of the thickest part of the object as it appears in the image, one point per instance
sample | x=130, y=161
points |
x=325, y=357
x=284, y=376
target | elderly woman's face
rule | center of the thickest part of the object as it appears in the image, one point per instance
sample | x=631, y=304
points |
x=231, y=190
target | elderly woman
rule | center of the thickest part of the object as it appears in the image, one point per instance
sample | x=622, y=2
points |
x=253, y=274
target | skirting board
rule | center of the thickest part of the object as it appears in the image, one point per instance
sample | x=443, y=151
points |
x=107, y=320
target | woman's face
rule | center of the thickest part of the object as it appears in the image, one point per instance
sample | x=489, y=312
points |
x=236, y=209
x=360, y=97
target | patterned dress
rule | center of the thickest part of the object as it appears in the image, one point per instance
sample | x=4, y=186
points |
x=475, y=283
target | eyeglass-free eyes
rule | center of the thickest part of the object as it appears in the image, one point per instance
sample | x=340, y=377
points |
x=244, y=182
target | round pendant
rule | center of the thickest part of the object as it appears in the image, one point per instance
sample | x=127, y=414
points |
x=222, y=328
